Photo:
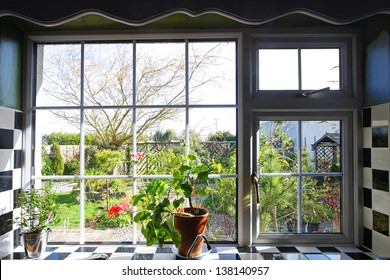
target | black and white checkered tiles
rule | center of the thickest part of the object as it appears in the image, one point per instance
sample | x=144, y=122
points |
x=376, y=168
x=10, y=174
x=133, y=252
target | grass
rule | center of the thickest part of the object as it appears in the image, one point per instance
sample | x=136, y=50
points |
x=69, y=208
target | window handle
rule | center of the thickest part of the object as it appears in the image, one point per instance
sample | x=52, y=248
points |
x=310, y=92
x=255, y=184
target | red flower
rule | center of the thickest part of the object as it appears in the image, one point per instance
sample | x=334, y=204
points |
x=137, y=155
x=114, y=210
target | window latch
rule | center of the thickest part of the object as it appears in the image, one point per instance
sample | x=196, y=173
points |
x=255, y=184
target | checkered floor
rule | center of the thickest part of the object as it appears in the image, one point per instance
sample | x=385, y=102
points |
x=218, y=252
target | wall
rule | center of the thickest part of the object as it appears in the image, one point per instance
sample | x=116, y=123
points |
x=10, y=66
x=376, y=168
x=10, y=175
x=10, y=133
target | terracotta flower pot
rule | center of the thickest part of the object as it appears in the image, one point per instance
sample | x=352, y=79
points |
x=190, y=227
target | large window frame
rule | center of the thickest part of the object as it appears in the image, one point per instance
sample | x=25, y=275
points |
x=30, y=176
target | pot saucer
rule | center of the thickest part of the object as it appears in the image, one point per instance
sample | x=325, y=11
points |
x=204, y=252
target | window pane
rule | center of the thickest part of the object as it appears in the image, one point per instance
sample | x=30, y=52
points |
x=109, y=128
x=321, y=197
x=206, y=122
x=108, y=74
x=212, y=72
x=278, y=69
x=160, y=73
x=221, y=204
x=57, y=140
x=321, y=146
x=278, y=204
x=278, y=147
x=67, y=225
x=320, y=69
x=58, y=75
x=160, y=124
x=104, y=220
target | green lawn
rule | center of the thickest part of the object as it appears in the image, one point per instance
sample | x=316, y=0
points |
x=69, y=208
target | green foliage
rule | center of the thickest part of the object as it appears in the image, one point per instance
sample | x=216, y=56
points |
x=278, y=194
x=47, y=164
x=36, y=207
x=164, y=162
x=221, y=136
x=107, y=160
x=160, y=201
x=65, y=138
x=103, y=220
x=72, y=167
x=56, y=159
x=166, y=136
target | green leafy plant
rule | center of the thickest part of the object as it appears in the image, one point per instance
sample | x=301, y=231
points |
x=161, y=200
x=56, y=159
x=38, y=209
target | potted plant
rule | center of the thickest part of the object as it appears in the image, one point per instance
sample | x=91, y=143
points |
x=161, y=212
x=37, y=212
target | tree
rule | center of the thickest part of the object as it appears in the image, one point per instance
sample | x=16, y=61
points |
x=108, y=80
x=221, y=136
x=168, y=135
x=56, y=159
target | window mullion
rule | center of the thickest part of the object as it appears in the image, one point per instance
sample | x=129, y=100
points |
x=299, y=191
x=187, y=98
x=82, y=147
x=299, y=69
x=134, y=171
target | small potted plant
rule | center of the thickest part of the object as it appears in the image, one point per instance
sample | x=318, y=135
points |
x=161, y=212
x=38, y=209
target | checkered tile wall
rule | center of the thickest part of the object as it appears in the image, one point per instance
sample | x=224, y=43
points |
x=376, y=167
x=10, y=175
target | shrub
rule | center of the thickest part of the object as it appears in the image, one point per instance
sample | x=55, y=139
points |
x=56, y=158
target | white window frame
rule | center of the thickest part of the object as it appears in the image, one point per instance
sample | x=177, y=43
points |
x=29, y=91
x=347, y=174
x=345, y=42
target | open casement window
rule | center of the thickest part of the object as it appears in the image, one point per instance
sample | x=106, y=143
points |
x=302, y=65
x=303, y=174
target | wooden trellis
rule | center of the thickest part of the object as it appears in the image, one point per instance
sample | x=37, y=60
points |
x=327, y=152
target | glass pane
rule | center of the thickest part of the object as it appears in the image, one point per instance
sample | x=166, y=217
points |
x=160, y=124
x=108, y=74
x=58, y=75
x=109, y=128
x=321, y=198
x=278, y=147
x=207, y=122
x=278, y=69
x=57, y=140
x=220, y=201
x=108, y=210
x=320, y=69
x=160, y=73
x=278, y=204
x=160, y=140
x=212, y=72
x=321, y=146
x=66, y=226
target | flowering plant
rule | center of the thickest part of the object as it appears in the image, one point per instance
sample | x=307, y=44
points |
x=119, y=213
x=137, y=156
